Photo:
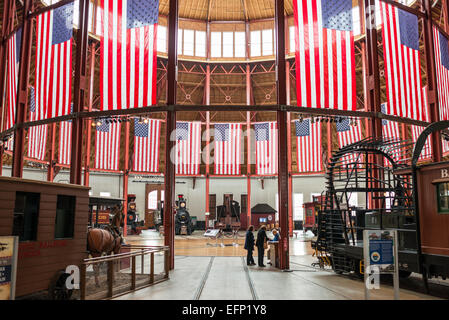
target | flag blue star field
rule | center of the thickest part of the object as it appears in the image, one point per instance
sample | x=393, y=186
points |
x=53, y=83
x=128, y=61
x=146, y=145
x=37, y=135
x=12, y=77
x=188, y=148
x=402, y=62
x=441, y=47
x=266, y=148
x=227, y=148
x=349, y=134
x=325, y=57
x=308, y=146
x=107, y=145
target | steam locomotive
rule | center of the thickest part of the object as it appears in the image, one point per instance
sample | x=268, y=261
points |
x=183, y=221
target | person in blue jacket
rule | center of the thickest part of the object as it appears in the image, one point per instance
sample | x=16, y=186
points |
x=249, y=246
x=276, y=235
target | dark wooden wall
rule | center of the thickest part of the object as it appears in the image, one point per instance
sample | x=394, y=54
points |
x=39, y=260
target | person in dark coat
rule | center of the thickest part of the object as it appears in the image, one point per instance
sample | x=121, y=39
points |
x=249, y=246
x=260, y=243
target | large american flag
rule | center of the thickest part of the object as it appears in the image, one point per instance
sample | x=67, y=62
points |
x=390, y=130
x=146, y=145
x=65, y=142
x=308, y=146
x=441, y=48
x=227, y=148
x=107, y=148
x=54, y=62
x=266, y=148
x=188, y=148
x=348, y=134
x=325, y=63
x=128, y=53
x=12, y=74
x=402, y=62
x=426, y=152
x=37, y=135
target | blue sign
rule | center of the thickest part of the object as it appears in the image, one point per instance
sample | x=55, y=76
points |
x=381, y=251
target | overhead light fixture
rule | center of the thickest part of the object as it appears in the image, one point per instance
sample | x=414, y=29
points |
x=145, y=120
x=99, y=123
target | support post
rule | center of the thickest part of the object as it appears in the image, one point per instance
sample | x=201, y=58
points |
x=248, y=146
x=52, y=162
x=22, y=90
x=282, y=136
x=125, y=180
x=432, y=92
x=289, y=151
x=80, y=88
x=169, y=197
x=207, y=102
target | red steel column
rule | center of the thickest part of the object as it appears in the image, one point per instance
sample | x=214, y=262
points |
x=80, y=88
x=7, y=27
x=289, y=151
x=22, y=90
x=248, y=146
x=432, y=92
x=207, y=102
x=126, y=178
x=93, y=52
x=169, y=197
x=282, y=136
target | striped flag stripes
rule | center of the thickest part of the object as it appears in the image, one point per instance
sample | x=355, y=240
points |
x=188, y=148
x=227, y=156
x=266, y=148
x=308, y=146
x=146, y=145
x=107, y=145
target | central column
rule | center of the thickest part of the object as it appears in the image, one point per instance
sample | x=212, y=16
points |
x=282, y=136
x=169, y=177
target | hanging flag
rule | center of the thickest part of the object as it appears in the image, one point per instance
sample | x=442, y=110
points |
x=188, y=148
x=308, y=146
x=128, y=65
x=54, y=62
x=325, y=59
x=227, y=148
x=441, y=48
x=107, y=147
x=12, y=77
x=37, y=135
x=146, y=145
x=426, y=152
x=65, y=142
x=348, y=134
x=390, y=129
x=266, y=148
x=402, y=62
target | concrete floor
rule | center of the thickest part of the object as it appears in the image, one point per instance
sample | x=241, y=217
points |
x=225, y=276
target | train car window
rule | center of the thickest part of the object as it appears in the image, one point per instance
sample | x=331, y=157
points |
x=26, y=215
x=443, y=197
x=65, y=217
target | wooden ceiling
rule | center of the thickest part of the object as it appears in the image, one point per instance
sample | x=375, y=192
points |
x=225, y=10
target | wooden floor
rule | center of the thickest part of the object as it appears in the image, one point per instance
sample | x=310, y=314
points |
x=197, y=245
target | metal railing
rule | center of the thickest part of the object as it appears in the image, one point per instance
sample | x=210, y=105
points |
x=111, y=276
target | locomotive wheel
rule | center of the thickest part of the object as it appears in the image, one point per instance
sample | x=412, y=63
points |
x=57, y=289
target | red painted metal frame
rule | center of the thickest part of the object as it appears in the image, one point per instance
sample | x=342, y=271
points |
x=22, y=91
x=282, y=134
x=289, y=150
x=80, y=89
x=169, y=196
x=432, y=92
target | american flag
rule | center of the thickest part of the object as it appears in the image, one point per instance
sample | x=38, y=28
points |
x=128, y=53
x=188, y=147
x=308, y=146
x=227, y=148
x=266, y=148
x=390, y=129
x=65, y=142
x=54, y=62
x=146, y=145
x=441, y=48
x=348, y=134
x=325, y=60
x=107, y=148
x=37, y=135
x=12, y=73
x=402, y=62
x=426, y=152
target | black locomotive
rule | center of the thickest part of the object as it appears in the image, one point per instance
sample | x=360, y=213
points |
x=183, y=221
